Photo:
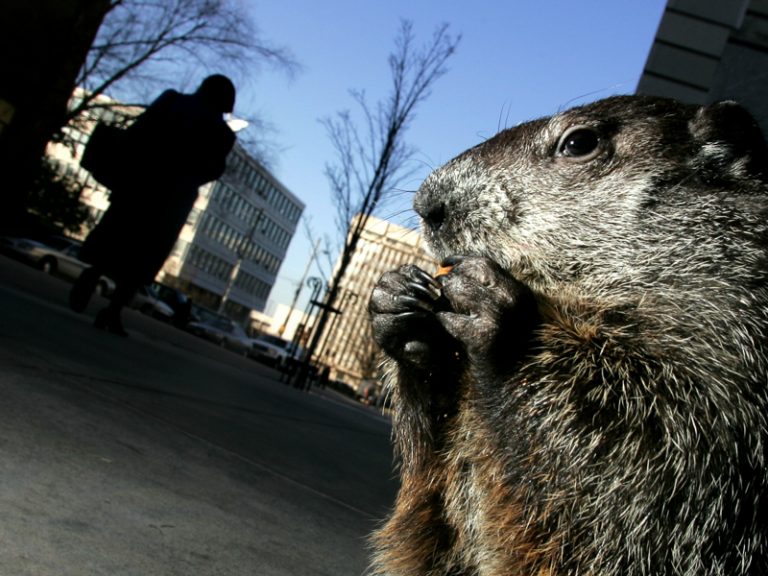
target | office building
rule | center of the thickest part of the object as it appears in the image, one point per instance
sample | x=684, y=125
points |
x=235, y=239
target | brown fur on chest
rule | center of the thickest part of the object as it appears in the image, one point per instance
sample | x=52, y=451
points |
x=459, y=515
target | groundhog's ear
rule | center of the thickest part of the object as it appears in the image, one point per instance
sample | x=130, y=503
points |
x=729, y=138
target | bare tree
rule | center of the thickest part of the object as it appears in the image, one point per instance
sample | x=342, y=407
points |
x=141, y=41
x=373, y=158
x=130, y=46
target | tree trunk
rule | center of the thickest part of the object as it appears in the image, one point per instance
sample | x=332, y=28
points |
x=44, y=44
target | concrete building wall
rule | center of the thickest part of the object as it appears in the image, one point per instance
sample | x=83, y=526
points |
x=743, y=71
x=710, y=50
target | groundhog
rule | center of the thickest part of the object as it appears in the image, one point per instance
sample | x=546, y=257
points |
x=584, y=391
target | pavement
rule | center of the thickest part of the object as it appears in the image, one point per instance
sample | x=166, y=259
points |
x=92, y=484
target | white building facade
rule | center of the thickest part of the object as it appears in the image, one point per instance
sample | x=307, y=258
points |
x=235, y=239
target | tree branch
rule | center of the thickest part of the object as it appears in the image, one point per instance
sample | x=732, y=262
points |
x=372, y=159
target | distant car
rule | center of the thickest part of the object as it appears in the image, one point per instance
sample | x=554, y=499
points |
x=267, y=352
x=275, y=351
x=224, y=332
x=60, y=261
x=177, y=300
x=147, y=301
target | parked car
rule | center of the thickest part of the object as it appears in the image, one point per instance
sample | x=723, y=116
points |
x=61, y=261
x=276, y=351
x=202, y=314
x=179, y=302
x=147, y=301
x=224, y=332
x=270, y=350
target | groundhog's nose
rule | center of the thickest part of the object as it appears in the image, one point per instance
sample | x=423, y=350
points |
x=430, y=208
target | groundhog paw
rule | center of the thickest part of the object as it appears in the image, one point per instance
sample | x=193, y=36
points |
x=403, y=306
x=491, y=313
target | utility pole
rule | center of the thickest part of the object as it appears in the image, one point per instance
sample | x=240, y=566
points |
x=238, y=263
x=312, y=257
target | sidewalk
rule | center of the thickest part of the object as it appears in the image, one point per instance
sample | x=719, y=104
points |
x=160, y=455
x=88, y=487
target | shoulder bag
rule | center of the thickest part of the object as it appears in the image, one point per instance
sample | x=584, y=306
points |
x=105, y=155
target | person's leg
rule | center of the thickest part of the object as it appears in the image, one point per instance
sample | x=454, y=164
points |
x=83, y=288
x=109, y=318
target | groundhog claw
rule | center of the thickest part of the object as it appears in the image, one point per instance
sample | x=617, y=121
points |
x=402, y=308
x=411, y=302
x=425, y=278
x=429, y=291
x=489, y=311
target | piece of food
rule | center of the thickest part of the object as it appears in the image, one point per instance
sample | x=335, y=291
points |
x=442, y=271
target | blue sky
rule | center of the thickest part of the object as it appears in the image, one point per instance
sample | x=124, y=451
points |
x=517, y=61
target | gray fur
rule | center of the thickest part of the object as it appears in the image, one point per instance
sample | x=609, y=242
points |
x=585, y=392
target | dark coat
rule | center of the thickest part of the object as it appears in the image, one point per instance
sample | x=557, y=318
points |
x=173, y=148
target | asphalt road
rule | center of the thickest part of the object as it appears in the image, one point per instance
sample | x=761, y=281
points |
x=164, y=454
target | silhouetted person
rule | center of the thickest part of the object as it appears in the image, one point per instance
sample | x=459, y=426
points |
x=324, y=377
x=179, y=143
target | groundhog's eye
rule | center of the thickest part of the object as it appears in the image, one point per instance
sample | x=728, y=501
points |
x=579, y=143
